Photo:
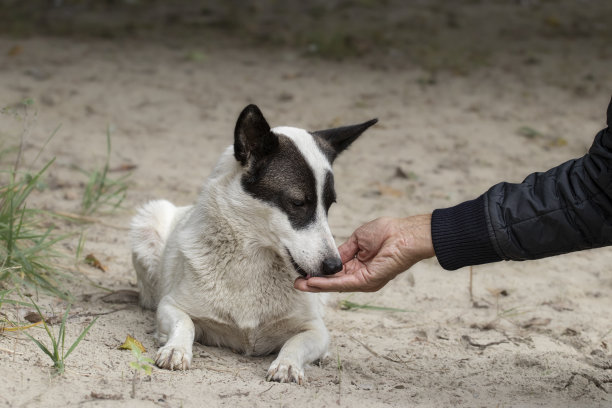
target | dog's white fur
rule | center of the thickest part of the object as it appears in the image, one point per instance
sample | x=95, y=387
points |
x=214, y=274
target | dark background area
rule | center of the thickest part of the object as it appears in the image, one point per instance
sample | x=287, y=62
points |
x=454, y=35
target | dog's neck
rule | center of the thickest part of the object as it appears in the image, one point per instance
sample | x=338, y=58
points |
x=226, y=214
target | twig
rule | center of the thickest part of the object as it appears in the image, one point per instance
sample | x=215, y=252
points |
x=89, y=314
x=9, y=351
x=263, y=392
x=374, y=353
x=471, y=342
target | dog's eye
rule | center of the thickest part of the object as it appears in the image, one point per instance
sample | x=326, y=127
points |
x=298, y=203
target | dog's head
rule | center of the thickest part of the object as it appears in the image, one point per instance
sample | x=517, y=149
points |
x=290, y=170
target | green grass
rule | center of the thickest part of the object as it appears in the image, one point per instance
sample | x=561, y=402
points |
x=140, y=364
x=346, y=304
x=26, y=249
x=57, y=352
x=100, y=190
x=27, y=240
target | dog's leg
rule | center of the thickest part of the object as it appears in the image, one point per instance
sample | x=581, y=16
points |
x=301, y=349
x=176, y=326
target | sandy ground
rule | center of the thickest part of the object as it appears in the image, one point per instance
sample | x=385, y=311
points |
x=534, y=334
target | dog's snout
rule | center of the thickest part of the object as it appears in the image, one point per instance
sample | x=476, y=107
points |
x=331, y=266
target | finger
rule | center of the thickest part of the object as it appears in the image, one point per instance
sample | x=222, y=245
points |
x=341, y=283
x=301, y=284
x=349, y=249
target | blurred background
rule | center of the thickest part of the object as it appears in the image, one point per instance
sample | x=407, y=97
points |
x=459, y=35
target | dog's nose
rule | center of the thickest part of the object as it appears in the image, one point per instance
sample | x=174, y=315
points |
x=331, y=266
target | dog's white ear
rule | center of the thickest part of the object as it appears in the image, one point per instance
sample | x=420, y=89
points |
x=334, y=141
x=252, y=137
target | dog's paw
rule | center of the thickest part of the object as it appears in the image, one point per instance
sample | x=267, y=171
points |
x=285, y=371
x=173, y=358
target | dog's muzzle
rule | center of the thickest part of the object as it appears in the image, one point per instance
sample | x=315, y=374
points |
x=297, y=267
x=329, y=266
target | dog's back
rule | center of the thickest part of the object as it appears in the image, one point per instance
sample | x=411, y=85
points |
x=149, y=232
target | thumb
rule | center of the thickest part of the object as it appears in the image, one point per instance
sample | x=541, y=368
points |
x=349, y=249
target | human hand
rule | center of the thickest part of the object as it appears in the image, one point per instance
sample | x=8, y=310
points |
x=376, y=253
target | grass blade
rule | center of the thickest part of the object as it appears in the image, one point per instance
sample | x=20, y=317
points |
x=348, y=305
x=41, y=346
x=81, y=337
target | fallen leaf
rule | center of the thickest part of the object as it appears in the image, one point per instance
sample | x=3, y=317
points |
x=93, y=261
x=33, y=317
x=130, y=343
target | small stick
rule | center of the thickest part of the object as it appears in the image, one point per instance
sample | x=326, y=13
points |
x=263, y=392
x=10, y=351
x=365, y=346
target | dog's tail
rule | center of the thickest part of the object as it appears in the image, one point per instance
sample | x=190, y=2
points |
x=149, y=232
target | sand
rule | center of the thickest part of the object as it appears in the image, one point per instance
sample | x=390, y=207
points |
x=529, y=333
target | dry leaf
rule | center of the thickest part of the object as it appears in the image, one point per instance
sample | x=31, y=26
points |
x=131, y=343
x=93, y=261
x=33, y=317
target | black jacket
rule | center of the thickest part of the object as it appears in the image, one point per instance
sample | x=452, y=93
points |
x=568, y=208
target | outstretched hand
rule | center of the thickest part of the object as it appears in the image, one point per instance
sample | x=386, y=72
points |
x=376, y=253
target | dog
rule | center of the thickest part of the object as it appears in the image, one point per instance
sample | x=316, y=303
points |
x=221, y=272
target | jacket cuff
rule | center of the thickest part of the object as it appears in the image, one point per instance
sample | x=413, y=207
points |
x=461, y=237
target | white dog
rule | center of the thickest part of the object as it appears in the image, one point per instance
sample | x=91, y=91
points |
x=221, y=271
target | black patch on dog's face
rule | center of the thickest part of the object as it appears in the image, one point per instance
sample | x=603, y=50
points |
x=285, y=180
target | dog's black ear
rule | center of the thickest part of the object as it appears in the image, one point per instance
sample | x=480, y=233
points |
x=252, y=137
x=334, y=141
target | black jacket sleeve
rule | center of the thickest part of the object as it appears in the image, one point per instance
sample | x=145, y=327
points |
x=565, y=209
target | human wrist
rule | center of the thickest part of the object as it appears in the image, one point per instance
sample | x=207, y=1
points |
x=416, y=231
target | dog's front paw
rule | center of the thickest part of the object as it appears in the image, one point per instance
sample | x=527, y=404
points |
x=173, y=358
x=285, y=371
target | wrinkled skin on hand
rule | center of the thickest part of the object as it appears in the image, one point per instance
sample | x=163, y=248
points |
x=375, y=254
